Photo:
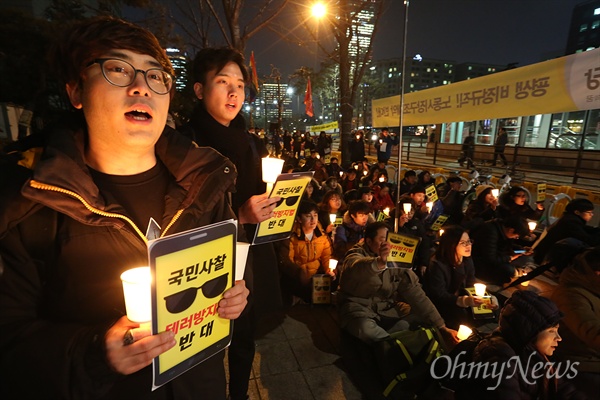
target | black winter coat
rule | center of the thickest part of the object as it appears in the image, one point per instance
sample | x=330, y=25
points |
x=491, y=253
x=57, y=304
x=568, y=226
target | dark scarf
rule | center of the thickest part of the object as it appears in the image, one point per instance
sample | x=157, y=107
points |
x=235, y=143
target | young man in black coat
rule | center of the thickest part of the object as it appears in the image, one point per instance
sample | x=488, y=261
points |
x=220, y=76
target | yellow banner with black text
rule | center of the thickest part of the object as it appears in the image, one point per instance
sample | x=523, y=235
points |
x=564, y=84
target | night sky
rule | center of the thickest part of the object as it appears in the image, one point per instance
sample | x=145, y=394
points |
x=486, y=31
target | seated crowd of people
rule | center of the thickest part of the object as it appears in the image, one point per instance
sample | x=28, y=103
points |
x=347, y=216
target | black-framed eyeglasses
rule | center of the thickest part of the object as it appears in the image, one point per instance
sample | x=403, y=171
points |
x=181, y=301
x=120, y=73
x=466, y=243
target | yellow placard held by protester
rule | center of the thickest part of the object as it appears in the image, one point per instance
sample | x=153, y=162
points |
x=541, y=192
x=431, y=193
x=403, y=248
x=191, y=271
x=290, y=188
x=439, y=222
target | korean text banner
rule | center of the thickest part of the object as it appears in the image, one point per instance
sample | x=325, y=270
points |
x=281, y=224
x=325, y=127
x=564, y=84
x=403, y=247
x=191, y=271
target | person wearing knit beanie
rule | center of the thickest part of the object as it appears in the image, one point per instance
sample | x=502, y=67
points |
x=525, y=315
x=526, y=337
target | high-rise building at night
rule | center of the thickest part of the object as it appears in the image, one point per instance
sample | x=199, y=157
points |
x=362, y=27
x=180, y=60
x=274, y=94
x=584, y=32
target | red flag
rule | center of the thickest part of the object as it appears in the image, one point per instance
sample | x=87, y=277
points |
x=254, y=75
x=308, y=100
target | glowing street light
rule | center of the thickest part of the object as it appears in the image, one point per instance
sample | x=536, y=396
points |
x=319, y=10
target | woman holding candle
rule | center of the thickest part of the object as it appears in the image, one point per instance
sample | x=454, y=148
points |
x=522, y=348
x=332, y=203
x=482, y=209
x=515, y=202
x=450, y=272
x=383, y=197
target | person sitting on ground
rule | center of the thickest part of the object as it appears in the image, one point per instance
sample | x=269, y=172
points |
x=313, y=192
x=526, y=337
x=332, y=203
x=407, y=183
x=493, y=249
x=320, y=171
x=418, y=197
x=383, y=198
x=578, y=297
x=424, y=178
x=572, y=224
x=352, y=229
x=366, y=194
x=415, y=227
x=334, y=168
x=482, y=209
x=370, y=292
x=350, y=182
x=453, y=201
x=514, y=202
x=331, y=183
x=305, y=254
x=450, y=272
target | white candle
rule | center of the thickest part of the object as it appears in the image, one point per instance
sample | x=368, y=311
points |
x=441, y=232
x=136, y=289
x=526, y=283
x=407, y=207
x=271, y=168
x=495, y=192
x=381, y=179
x=532, y=225
x=332, y=264
x=332, y=218
x=429, y=206
x=365, y=173
x=386, y=211
x=241, y=255
x=341, y=173
x=464, y=332
x=479, y=289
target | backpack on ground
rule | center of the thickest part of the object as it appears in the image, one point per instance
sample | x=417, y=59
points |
x=404, y=361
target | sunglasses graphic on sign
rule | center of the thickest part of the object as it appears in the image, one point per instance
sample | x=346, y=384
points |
x=289, y=201
x=181, y=301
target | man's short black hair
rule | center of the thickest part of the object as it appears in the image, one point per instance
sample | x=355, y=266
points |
x=410, y=173
x=371, y=229
x=417, y=189
x=364, y=190
x=209, y=59
x=454, y=179
x=359, y=207
x=307, y=206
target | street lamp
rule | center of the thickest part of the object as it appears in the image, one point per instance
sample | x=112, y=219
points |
x=319, y=10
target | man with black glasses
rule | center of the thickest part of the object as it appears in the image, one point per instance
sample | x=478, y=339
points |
x=70, y=227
